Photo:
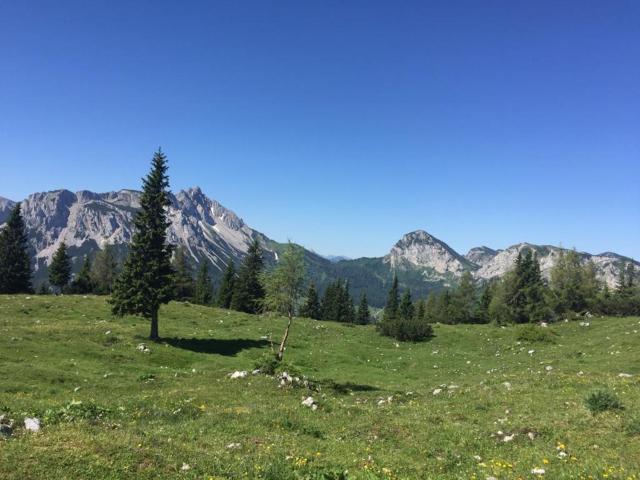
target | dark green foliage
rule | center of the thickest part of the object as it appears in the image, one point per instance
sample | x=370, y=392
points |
x=225, y=293
x=337, y=304
x=146, y=281
x=15, y=265
x=183, y=285
x=406, y=330
x=312, y=307
x=82, y=283
x=421, y=310
x=104, y=270
x=43, y=289
x=481, y=311
x=203, y=294
x=602, y=401
x=521, y=296
x=399, y=320
x=463, y=301
x=536, y=334
x=363, y=317
x=248, y=291
x=568, y=283
x=60, y=268
x=393, y=302
x=406, y=309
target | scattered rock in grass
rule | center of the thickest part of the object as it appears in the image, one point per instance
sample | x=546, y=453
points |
x=437, y=391
x=76, y=389
x=544, y=324
x=508, y=438
x=584, y=324
x=255, y=372
x=580, y=373
x=562, y=454
x=108, y=332
x=233, y=445
x=531, y=435
x=531, y=352
x=310, y=402
x=32, y=424
x=538, y=471
x=238, y=374
x=185, y=467
x=548, y=368
x=625, y=375
x=142, y=347
x=507, y=385
x=477, y=458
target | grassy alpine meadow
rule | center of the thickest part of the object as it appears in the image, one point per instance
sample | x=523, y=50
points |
x=474, y=402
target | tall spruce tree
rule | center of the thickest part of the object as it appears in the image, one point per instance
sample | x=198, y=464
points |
x=364, y=317
x=203, y=294
x=227, y=286
x=311, y=307
x=393, y=301
x=60, y=268
x=104, y=270
x=248, y=292
x=15, y=265
x=463, y=300
x=146, y=281
x=421, y=311
x=406, y=309
x=82, y=282
x=183, y=284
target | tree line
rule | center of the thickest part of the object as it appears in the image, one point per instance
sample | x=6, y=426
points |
x=522, y=295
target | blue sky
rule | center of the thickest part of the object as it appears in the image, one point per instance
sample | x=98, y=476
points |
x=340, y=124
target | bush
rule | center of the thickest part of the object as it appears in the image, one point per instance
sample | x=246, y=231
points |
x=535, y=334
x=602, y=401
x=411, y=330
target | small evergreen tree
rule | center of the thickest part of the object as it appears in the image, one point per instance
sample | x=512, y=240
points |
x=227, y=286
x=183, y=285
x=43, y=289
x=406, y=309
x=249, y=292
x=15, y=265
x=104, y=270
x=82, y=282
x=364, y=316
x=60, y=268
x=203, y=294
x=146, y=281
x=421, y=311
x=312, y=308
x=463, y=300
x=393, y=302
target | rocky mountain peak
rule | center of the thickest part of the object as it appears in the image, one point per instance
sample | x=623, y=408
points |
x=481, y=255
x=420, y=249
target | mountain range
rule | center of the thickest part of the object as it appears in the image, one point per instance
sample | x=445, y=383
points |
x=210, y=232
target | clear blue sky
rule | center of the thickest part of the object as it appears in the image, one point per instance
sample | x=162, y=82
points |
x=340, y=124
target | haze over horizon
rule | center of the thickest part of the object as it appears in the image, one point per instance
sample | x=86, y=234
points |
x=342, y=126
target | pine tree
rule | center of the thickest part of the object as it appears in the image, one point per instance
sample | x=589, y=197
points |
x=421, y=311
x=183, y=285
x=463, y=300
x=393, y=302
x=481, y=312
x=146, y=281
x=60, y=268
x=248, y=292
x=227, y=286
x=363, y=317
x=331, y=301
x=347, y=309
x=312, y=308
x=82, y=282
x=203, y=287
x=43, y=289
x=104, y=270
x=15, y=265
x=406, y=309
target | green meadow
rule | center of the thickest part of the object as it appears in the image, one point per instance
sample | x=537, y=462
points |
x=474, y=402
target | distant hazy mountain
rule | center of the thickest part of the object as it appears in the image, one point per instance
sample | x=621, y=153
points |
x=86, y=221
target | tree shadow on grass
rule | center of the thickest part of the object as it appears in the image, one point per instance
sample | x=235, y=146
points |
x=348, y=387
x=220, y=346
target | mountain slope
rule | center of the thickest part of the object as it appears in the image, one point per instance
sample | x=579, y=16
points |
x=208, y=231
